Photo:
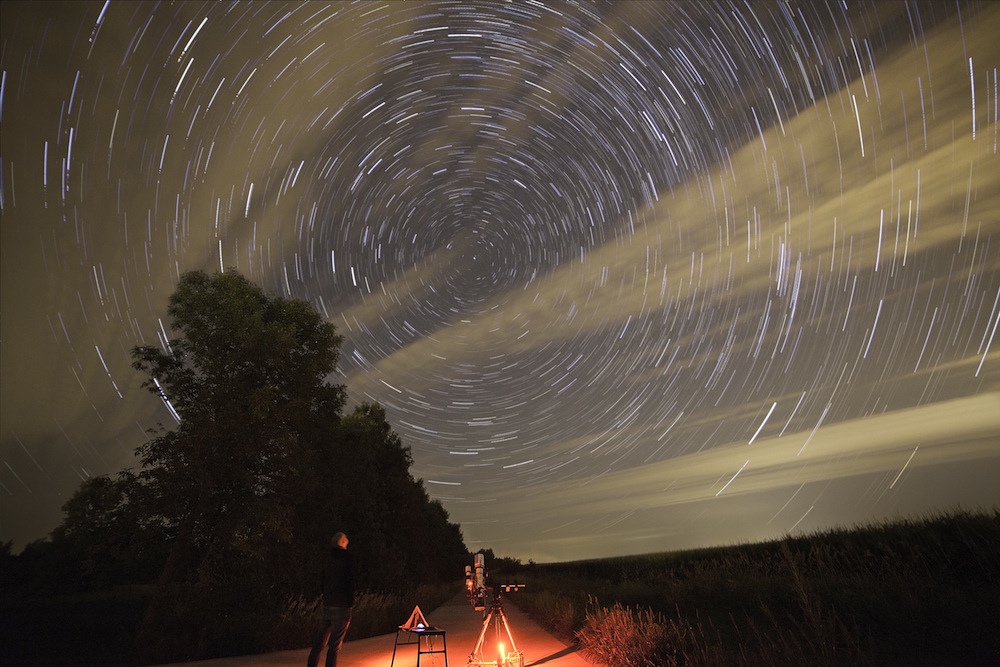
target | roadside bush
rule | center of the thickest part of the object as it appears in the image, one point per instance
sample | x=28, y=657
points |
x=298, y=622
x=622, y=637
x=373, y=614
x=560, y=616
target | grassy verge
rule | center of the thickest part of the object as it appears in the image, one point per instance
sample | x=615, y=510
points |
x=85, y=629
x=100, y=628
x=908, y=592
x=373, y=614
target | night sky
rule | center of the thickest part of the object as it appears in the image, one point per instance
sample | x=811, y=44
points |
x=627, y=277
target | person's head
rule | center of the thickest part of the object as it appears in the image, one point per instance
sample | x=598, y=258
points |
x=340, y=540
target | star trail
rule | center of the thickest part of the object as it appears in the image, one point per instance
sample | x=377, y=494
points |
x=627, y=277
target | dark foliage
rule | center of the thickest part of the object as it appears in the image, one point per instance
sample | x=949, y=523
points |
x=907, y=592
x=229, y=514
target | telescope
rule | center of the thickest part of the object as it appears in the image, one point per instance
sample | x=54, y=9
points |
x=476, y=589
x=475, y=582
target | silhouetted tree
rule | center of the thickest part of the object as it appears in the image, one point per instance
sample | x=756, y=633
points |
x=106, y=537
x=261, y=470
x=406, y=536
x=248, y=381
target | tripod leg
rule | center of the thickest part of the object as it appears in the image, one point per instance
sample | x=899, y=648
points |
x=501, y=654
x=478, y=651
x=503, y=619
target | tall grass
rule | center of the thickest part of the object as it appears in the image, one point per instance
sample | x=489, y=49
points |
x=907, y=592
x=642, y=638
x=373, y=614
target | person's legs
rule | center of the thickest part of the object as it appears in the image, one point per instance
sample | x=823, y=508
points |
x=340, y=618
x=321, y=640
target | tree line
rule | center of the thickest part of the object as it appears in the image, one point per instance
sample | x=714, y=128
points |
x=228, y=514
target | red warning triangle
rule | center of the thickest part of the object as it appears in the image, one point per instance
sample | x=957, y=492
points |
x=416, y=621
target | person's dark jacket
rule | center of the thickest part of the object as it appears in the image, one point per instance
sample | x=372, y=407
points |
x=338, y=579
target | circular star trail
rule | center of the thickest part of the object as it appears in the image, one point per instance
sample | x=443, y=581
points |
x=626, y=276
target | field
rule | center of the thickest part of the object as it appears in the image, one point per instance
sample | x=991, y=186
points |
x=903, y=593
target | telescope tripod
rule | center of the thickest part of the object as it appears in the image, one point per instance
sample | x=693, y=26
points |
x=511, y=658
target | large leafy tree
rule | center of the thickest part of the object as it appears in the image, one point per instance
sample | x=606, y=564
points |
x=248, y=380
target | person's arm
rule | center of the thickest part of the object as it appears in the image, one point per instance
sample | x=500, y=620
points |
x=349, y=579
x=322, y=578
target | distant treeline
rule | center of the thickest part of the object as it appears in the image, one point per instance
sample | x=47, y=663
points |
x=921, y=592
x=213, y=546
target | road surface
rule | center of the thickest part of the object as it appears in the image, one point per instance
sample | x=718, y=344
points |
x=462, y=626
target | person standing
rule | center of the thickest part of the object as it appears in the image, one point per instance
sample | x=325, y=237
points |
x=338, y=599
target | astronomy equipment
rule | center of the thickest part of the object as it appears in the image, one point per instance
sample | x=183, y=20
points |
x=476, y=590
